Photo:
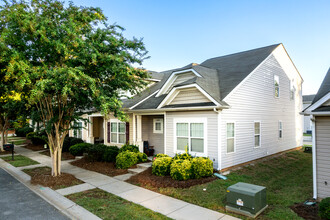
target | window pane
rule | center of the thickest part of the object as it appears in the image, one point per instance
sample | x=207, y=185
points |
x=197, y=130
x=113, y=127
x=280, y=134
x=280, y=125
x=122, y=127
x=257, y=127
x=230, y=145
x=158, y=126
x=197, y=145
x=230, y=130
x=182, y=143
x=277, y=91
x=122, y=138
x=182, y=129
x=114, y=137
x=257, y=140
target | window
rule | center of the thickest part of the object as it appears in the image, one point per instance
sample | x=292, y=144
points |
x=277, y=86
x=256, y=134
x=118, y=132
x=230, y=137
x=292, y=90
x=158, y=125
x=77, y=132
x=190, y=135
x=280, y=129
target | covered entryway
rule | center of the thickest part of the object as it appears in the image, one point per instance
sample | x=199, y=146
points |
x=96, y=130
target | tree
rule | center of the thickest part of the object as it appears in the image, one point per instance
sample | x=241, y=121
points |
x=71, y=60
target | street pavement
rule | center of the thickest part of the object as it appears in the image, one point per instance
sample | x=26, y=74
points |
x=19, y=202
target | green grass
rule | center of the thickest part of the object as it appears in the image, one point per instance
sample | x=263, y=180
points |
x=19, y=161
x=16, y=140
x=108, y=206
x=288, y=179
x=307, y=134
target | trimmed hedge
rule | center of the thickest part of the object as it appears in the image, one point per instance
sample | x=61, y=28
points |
x=184, y=156
x=22, y=132
x=39, y=140
x=110, y=153
x=162, y=166
x=30, y=135
x=202, y=167
x=142, y=157
x=79, y=149
x=70, y=141
x=324, y=208
x=129, y=147
x=159, y=156
x=126, y=159
x=181, y=170
x=96, y=152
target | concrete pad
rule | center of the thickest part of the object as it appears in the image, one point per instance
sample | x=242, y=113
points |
x=81, y=213
x=100, y=180
x=139, y=195
x=123, y=177
x=31, y=166
x=73, y=171
x=144, y=165
x=117, y=187
x=136, y=170
x=228, y=217
x=87, y=175
x=75, y=189
x=164, y=204
x=192, y=212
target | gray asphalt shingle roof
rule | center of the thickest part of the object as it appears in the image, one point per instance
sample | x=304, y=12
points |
x=308, y=98
x=220, y=75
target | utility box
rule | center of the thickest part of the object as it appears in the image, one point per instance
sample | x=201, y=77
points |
x=246, y=199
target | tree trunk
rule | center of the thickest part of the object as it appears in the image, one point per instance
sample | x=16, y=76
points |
x=6, y=136
x=2, y=140
x=54, y=157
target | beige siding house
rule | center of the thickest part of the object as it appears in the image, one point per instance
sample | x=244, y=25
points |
x=232, y=109
x=319, y=112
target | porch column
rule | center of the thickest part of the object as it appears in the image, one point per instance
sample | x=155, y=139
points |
x=90, y=129
x=134, y=129
x=139, y=141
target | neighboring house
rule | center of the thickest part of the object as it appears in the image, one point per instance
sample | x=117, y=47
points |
x=307, y=100
x=319, y=111
x=232, y=109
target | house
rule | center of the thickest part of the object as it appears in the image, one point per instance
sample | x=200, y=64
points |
x=319, y=110
x=307, y=100
x=232, y=109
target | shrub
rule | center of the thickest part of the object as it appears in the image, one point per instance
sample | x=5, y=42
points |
x=181, y=169
x=70, y=141
x=142, y=157
x=184, y=156
x=110, y=153
x=96, y=152
x=39, y=140
x=79, y=149
x=128, y=147
x=202, y=167
x=126, y=159
x=159, y=156
x=162, y=166
x=324, y=208
x=30, y=135
x=22, y=132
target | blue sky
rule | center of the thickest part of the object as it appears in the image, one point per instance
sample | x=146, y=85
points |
x=177, y=33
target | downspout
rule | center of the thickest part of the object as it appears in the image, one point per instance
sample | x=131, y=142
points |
x=219, y=137
x=314, y=157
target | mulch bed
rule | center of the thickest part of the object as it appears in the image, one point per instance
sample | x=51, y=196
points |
x=65, y=155
x=306, y=212
x=146, y=178
x=34, y=147
x=42, y=176
x=105, y=168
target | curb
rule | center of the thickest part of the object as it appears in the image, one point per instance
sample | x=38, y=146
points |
x=64, y=205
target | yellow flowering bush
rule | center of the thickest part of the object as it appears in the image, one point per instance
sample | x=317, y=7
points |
x=181, y=170
x=161, y=166
x=202, y=167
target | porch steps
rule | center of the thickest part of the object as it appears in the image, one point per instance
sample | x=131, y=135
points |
x=144, y=165
x=140, y=168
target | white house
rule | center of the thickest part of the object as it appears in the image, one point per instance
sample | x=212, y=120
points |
x=307, y=101
x=232, y=109
x=319, y=111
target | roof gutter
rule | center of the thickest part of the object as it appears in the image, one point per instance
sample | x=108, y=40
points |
x=178, y=109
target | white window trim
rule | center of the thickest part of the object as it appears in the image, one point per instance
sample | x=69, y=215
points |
x=116, y=121
x=229, y=122
x=157, y=120
x=254, y=140
x=189, y=121
x=279, y=94
x=280, y=129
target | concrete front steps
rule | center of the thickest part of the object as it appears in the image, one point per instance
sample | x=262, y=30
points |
x=140, y=168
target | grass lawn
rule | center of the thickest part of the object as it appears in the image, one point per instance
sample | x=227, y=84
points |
x=108, y=206
x=308, y=135
x=19, y=161
x=16, y=140
x=288, y=179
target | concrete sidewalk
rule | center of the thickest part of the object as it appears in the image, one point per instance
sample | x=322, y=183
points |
x=168, y=206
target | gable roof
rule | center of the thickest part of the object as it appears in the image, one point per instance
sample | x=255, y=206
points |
x=324, y=88
x=219, y=76
x=308, y=98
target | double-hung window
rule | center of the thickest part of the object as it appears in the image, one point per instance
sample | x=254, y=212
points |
x=77, y=132
x=190, y=135
x=118, y=132
x=256, y=134
x=230, y=137
x=276, y=86
x=280, y=129
x=158, y=125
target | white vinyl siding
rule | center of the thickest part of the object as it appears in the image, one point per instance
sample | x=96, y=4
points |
x=188, y=96
x=117, y=132
x=257, y=134
x=322, y=130
x=254, y=101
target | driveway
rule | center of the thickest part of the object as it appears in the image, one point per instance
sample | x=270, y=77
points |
x=19, y=202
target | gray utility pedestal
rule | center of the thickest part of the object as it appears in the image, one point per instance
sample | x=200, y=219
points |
x=246, y=199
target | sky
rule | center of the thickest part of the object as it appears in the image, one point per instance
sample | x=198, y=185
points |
x=177, y=33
